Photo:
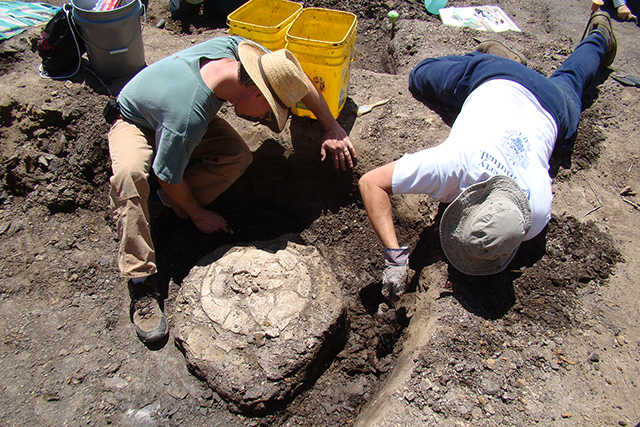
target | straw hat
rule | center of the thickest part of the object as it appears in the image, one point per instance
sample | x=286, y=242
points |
x=278, y=75
x=481, y=230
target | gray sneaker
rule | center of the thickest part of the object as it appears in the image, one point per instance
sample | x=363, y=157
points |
x=146, y=312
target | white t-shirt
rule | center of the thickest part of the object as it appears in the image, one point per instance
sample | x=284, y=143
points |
x=501, y=130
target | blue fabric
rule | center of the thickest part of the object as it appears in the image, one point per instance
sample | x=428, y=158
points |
x=16, y=16
x=450, y=79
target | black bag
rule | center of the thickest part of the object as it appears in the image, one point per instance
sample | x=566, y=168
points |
x=60, y=46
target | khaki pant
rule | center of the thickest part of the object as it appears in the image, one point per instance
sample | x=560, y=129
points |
x=221, y=157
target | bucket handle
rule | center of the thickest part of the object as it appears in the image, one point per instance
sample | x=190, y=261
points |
x=354, y=56
x=122, y=49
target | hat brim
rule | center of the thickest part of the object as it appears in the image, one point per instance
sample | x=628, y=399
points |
x=464, y=207
x=249, y=53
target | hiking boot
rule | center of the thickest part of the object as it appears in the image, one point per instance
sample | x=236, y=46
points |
x=146, y=312
x=601, y=21
x=496, y=48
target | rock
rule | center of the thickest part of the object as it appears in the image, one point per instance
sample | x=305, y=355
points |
x=627, y=191
x=594, y=357
x=425, y=385
x=248, y=324
x=114, y=383
x=490, y=364
x=178, y=392
x=490, y=385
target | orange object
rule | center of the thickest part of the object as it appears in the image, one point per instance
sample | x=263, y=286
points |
x=596, y=4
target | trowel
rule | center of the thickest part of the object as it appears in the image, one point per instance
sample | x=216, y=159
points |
x=628, y=80
x=364, y=109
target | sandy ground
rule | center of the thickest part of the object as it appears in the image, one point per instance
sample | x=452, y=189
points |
x=553, y=341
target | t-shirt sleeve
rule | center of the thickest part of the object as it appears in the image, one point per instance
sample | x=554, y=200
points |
x=435, y=171
x=172, y=157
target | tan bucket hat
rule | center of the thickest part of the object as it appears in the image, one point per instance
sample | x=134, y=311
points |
x=278, y=75
x=481, y=230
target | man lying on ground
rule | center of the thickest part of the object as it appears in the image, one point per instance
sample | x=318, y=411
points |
x=493, y=168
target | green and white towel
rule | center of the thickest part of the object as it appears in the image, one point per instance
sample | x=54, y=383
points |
x=16, y=16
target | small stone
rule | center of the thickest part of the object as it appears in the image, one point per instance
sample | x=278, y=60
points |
x=482, y=400
x=114, y=383
x=627, y=191
x=490, y=364
x=476, y=412
x=509, y=396
x=520, y=383
x=426, y=385
x=178, y=393
x=272, y=332
x=622, y=423
x=161, y=23
x=409, y=396
x=4, y=227
x=567, y=415
x=259, y=338
x=490, y=387
x=50, y=396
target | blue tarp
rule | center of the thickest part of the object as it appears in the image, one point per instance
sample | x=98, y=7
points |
x=16, y=16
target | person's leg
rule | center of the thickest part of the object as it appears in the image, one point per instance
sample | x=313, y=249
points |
x=450, y=79
x=221, y=157
x=131, y=152
x=575, y=75
x=131, y=157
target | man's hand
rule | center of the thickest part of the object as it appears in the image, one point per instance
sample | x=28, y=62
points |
x=394, y=281
x=624, y=13
x=336, y=143
x=396, y=272
x=210, y=222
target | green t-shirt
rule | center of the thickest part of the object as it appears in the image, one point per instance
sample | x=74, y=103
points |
x=171, y=98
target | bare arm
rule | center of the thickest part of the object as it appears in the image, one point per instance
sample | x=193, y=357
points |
x=335, y=141
x=206, y=221
x=375, y=188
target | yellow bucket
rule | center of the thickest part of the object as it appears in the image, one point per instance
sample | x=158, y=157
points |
x=323, y=41
x=264, y=21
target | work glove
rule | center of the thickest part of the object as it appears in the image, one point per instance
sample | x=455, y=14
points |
x=396, y=271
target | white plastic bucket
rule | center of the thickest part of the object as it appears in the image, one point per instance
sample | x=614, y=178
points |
x=113, y=38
